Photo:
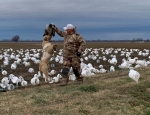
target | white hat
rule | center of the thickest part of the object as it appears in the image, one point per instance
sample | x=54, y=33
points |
x=69, y=26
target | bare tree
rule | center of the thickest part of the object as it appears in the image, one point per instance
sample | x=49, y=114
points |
x=16, y=38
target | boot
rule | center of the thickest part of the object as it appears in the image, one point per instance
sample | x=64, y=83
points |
x=2, y=90
x=64, y=81
x=79, y=79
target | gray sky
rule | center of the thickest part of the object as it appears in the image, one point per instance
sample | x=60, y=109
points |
x=94, y=19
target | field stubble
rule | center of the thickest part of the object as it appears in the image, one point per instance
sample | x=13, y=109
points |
x=105, y=94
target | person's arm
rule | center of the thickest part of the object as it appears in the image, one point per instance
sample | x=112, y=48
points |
x=82, y=43
x=59, y=32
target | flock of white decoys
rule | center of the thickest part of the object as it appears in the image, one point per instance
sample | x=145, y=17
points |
x=110, y=55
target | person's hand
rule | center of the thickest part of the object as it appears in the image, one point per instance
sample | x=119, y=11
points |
x=51, y=25
x=78, y=54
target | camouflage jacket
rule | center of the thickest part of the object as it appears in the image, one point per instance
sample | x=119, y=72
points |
x=73, y=43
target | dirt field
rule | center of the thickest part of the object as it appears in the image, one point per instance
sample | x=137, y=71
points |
x=105, y=94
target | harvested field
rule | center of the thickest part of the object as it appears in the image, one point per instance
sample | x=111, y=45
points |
x=112, y=93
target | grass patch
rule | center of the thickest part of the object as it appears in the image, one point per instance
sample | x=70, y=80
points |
x=40, y=100
x=89, y=88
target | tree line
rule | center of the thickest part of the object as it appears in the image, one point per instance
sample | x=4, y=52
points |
x=16, y=39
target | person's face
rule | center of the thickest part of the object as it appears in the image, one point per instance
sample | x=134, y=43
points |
x=69, y=31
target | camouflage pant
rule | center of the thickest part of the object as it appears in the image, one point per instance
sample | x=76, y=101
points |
x=73, y=62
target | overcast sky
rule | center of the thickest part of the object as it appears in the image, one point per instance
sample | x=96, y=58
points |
x=94, y=19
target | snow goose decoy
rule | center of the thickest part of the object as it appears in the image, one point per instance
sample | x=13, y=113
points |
x=134, y=74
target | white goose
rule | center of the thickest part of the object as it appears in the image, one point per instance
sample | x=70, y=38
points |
x=35, y=80
x=112, y=68
x=86, y=73
x=24, y=83
x=4, y=72
x=134, y=75
x=72, y=77
x=10, y=87
x=4, y=82
x=30, y=70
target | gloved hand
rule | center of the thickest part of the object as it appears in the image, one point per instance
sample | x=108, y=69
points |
x=78, y=54
x=51, y=25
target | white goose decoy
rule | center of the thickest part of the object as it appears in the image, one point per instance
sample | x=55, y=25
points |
x=132, y=61
x=30, y=70
x=1, y=56
x=4, y=82
x=24, y=83
x=59, y=76
x=86, y=73
x=57, y=59
x=123, y=65
x=10, y=87
x=56, y=79
x=53, y=72
x=97, y=61
x=50, y=80
x=142, y=63
x=14, y=79
x=13, y=66
x=112, y=68
x=134, y=75
x=100, y=66
x=72, y=77
x=27, y=64
x=102, y=70
x=113, y=61
x=4, y=72
x=35, y=80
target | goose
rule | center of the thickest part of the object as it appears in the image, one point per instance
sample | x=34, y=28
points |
x=71, y=71
x=37, y=61
x=81, y=59
x=35, y=80
x=123, y=65
x=112, y=68
x=30, y=70
x=14, y=79
x=133, y=74
x=59, y=76
x=5, y=63
x=137, y=66
x=1, y=56
x=55, y=79
x=53, y=72
x=113, y=61
x=13, y=66
x=57, y=59
x=102, y=70
x=12, y=56
x=97, y=61
x=72, y=77
x=10, y=87
x=24, y=83
x=18, y=61
x=132, y=61
x=39, y=74
x=4, y=72
x=86, y=73
x=27, y=64
x=61, y=61
x=4, y=82
x=52, y=65
x=50, y=80
x=142, y=63
x=100, y=66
